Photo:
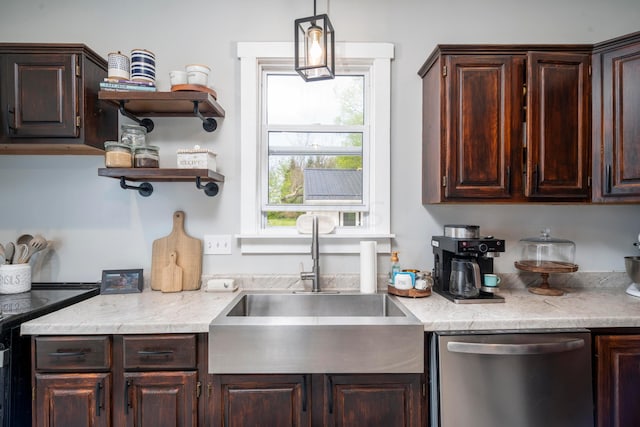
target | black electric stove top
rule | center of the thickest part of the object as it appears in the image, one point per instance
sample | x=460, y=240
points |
x=43, y=298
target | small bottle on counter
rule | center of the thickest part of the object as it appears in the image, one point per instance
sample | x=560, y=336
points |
x=147, y=157
x=395, y=267
x=117, y=155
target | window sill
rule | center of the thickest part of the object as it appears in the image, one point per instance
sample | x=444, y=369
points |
x=294, y=243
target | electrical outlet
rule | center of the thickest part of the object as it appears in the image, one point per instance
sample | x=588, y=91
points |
x=217, y=244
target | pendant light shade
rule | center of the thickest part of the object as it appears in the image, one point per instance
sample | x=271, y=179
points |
x=314, y=47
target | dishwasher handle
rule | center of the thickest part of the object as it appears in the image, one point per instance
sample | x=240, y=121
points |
x=560, y=346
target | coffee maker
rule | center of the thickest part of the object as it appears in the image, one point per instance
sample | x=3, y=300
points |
x=462, y=247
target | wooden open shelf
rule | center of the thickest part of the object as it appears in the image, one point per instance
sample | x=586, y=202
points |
x=147, y=175
x=159, y=175
x=164, y=104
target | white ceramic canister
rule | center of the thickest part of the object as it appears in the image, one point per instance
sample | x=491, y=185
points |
x=119, y=66
x=15, y=278
x=143, y=65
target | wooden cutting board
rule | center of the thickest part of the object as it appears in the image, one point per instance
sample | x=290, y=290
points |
x=189, y=256
x=171, y=276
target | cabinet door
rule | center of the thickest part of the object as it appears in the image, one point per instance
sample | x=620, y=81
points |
x=388, y=400
x=42, y=95
x=73, y=400
x=620, y=131
x=558, y=126
x=261, y=401
x=482, y=117
x=161, y=399
x=617, y=379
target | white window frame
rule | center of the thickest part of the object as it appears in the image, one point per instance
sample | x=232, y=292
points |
x=254, y=238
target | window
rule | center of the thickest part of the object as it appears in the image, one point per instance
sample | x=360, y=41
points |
x=314, y=147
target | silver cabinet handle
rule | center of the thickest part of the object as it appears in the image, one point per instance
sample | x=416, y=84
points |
x=516, y=349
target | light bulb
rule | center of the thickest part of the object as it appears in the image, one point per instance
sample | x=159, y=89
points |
x=315, y=53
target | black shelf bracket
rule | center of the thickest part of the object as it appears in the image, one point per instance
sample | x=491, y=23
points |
x=145, y=189
x=147, y=123
x=210, y=188
x=209, y=124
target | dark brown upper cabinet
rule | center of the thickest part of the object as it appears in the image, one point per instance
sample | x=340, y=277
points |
x=49, y=100
x=506, y=123
x=616, y=120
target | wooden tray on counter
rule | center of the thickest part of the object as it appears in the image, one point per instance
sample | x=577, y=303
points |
x=408, y=293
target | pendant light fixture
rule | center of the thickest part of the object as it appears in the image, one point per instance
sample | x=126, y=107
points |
x=314, y=47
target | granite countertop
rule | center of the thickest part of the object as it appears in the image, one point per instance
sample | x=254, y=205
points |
x=149, y=312
x=182, y=312
x=578, y=308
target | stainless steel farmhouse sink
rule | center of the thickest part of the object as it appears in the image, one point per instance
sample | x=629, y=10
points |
x=315, y=333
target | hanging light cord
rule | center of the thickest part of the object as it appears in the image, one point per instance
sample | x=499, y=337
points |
x=314, y=7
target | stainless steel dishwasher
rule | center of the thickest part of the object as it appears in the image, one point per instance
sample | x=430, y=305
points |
x=523, y=379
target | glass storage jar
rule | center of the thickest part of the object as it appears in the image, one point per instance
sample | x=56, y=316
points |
x=147, y=157
x=134, y=135
x=117, y=155
x=545, y=250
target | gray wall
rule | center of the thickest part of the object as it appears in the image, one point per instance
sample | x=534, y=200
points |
x=95, y=225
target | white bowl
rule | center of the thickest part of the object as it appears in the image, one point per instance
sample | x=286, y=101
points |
x=197, y=78
x=198, y=67
x=178, y=77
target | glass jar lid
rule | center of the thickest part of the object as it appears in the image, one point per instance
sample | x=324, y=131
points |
x=147, y=149
x=117, y=146
x=546, y=249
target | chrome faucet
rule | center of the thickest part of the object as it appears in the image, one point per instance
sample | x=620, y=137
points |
x=314, y=274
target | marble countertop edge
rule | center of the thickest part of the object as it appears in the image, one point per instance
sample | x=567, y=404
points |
x=152, y=312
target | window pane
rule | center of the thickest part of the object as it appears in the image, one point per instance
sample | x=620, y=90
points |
x=315, y=180
x=324, y=142
x=292, y=101
x=288, y=218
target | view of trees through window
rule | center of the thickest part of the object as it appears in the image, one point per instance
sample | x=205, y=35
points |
x=315, y=135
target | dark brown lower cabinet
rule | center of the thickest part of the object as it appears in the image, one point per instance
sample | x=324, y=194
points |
x=73, y=400
x=161, y=399
x=617, y=380
x=317, y=400
x=261, y=400
x=119, y=380
x=373, y=400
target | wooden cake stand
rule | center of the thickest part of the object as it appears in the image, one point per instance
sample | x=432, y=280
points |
x=545, y=268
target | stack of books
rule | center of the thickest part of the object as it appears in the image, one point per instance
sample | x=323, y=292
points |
x=118, y=85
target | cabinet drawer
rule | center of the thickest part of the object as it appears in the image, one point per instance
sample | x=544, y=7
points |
x=160, y=352
x=76, y=353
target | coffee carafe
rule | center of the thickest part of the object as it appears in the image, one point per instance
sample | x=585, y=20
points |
x=465, y=278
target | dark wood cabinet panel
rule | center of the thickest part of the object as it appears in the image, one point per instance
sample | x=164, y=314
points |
x=617, y=379
x=616, y=120
x=506, y=124
x=73, y=400
x=49, y=100
x=158, y=352
x=43, y=102
x=558, y=117
x=261, y=400
x=166, y=399
x=318, y=400
x=72, y=354
x=478, y=103
x=374, y=400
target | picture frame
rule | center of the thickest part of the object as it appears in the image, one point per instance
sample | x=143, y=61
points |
x=121, y=281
